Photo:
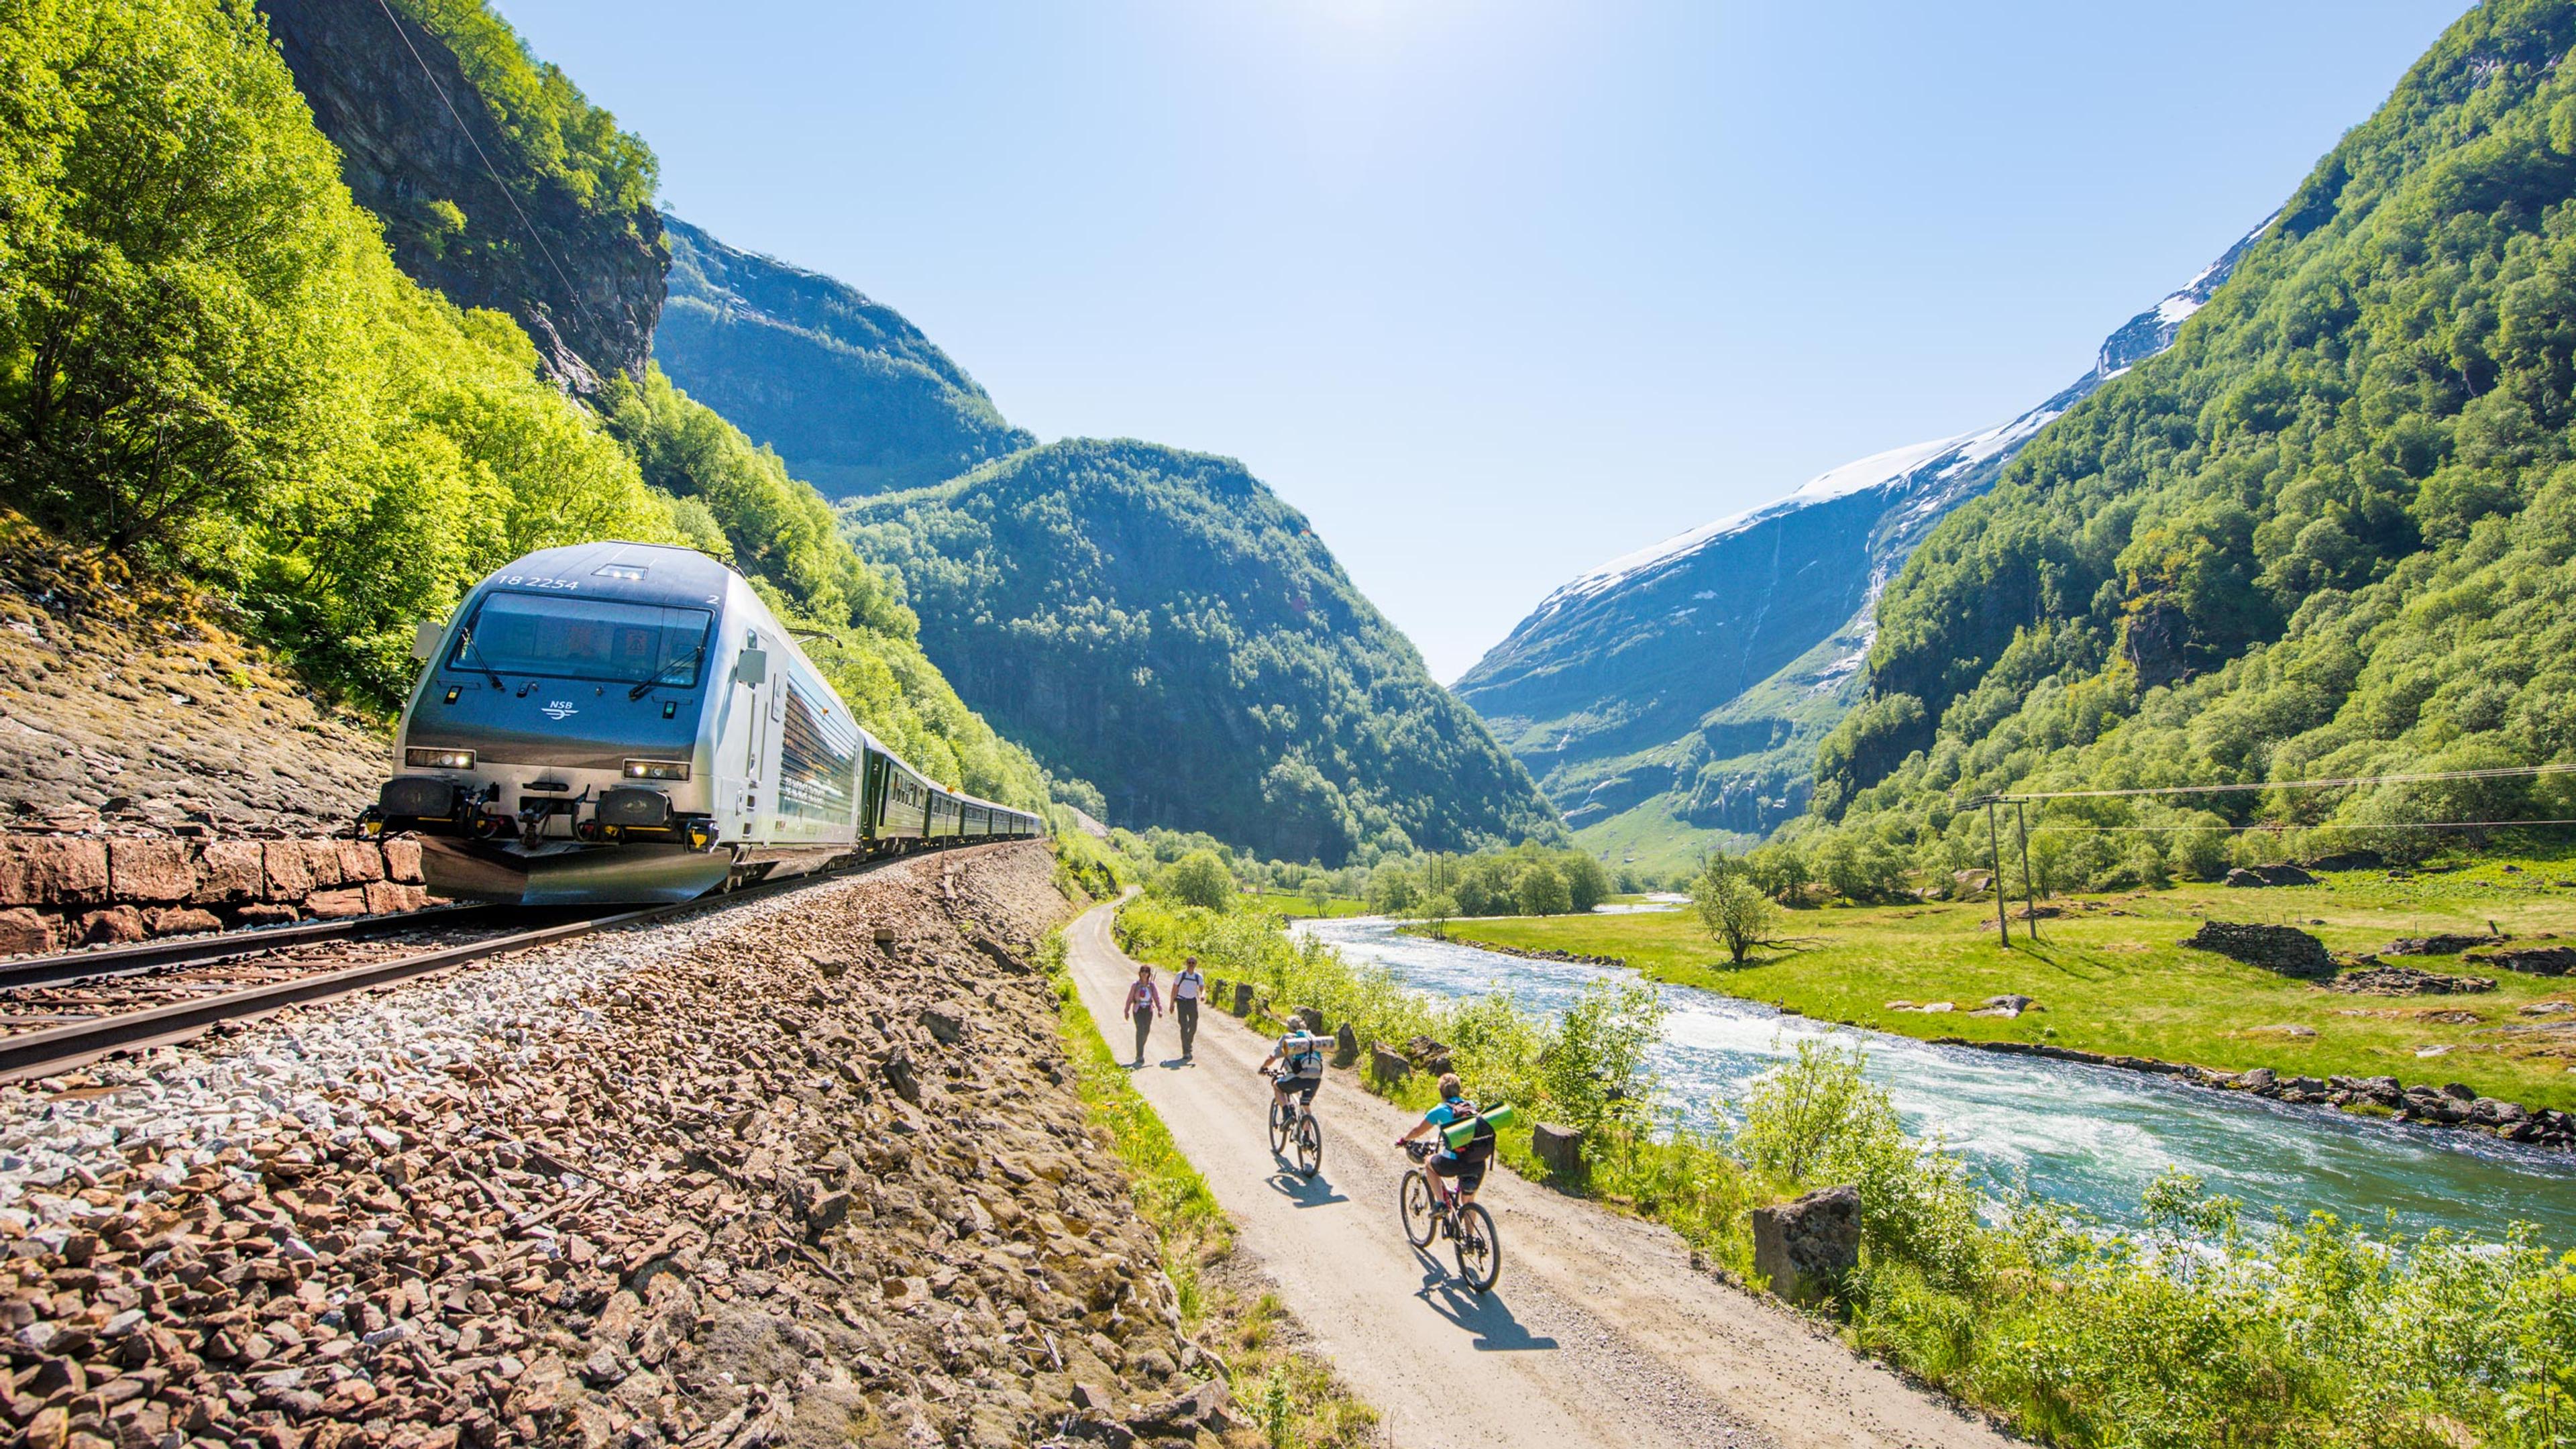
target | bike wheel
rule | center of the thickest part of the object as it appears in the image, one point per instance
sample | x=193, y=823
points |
x=1480, y=1251
x=1310, y=1147
x=1278, y=1128
x=1413, y=1205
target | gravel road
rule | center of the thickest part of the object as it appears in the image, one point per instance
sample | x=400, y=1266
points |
x=1599, y=1332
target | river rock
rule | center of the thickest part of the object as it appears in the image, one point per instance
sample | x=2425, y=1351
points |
x=2285, y=949
x=1806, y=1248
x=2007, y=1006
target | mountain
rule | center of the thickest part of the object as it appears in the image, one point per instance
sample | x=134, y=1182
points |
x=1678, y=694
x=525, y=199
x=850, y=394
x=1152, y=622
x=1159, y=623
x=374, y=405
x=2331, y=532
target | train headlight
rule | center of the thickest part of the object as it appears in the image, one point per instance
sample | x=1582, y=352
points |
x=438, y=759
x=657, y=769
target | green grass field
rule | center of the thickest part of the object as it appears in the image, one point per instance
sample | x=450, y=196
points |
x=1290, y=906
x=2113, y=976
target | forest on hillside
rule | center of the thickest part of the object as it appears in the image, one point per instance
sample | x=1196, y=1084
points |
x=1151, y=620
x=210, y=365
x=2331, y=533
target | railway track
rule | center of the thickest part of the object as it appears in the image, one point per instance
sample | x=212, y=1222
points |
x=60, y=1012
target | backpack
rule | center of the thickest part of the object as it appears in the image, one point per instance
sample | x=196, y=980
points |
x=1306, y=1061
x=1479, y=1146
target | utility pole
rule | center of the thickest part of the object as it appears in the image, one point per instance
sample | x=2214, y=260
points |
x=2029, y=886
x=1995, y=857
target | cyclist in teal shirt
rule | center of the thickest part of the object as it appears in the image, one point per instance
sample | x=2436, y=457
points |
x=1463, y=1165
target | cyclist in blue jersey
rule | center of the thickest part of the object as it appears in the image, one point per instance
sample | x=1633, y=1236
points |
x=1463, y=1167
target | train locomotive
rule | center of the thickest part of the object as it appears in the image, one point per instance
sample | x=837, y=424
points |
x=628, y=722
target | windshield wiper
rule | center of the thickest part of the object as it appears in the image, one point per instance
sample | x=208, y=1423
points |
x=660, y=675
x=470, y=647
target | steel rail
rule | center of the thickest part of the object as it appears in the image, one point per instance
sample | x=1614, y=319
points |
x=223, y=946
x=41, y=1053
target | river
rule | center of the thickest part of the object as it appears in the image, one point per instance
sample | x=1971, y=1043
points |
x=2091, y=1136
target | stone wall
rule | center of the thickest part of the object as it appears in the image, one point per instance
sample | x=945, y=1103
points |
x=59, y=891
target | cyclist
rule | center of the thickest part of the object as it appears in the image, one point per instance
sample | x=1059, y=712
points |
x=1464, y=1166
x=1300, y=1058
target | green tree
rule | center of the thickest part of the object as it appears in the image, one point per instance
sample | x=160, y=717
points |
x=1318, y=891
x=1732, y=908
x=1594, y=1067
x=1587, y=884
x=176, y=238
x=1200, y=879
x=1540, y=891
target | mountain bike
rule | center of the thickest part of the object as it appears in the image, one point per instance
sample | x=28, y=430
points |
x=1290, y=1124
x=1430, y=1210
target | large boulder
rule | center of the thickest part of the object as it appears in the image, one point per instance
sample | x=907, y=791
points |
x=1346, y=1046
x=1805, y=1249
x=2285, y=949
x=1428, y=1055
x=1387, y=1064
x=1560, y=1149
x=2269, y=875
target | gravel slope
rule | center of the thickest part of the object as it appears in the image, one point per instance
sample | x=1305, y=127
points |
x=1599, y=1332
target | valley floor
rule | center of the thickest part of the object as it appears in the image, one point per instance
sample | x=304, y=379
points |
x=2111, y=975
x=1600, y=1331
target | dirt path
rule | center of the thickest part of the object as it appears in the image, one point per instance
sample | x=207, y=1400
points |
x=1599, y=1332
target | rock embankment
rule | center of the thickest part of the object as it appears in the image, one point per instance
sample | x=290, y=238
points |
x=63, y=890
x=804, y=1171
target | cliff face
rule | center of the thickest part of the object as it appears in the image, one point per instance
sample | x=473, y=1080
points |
x=850, y=393
x=419, y=147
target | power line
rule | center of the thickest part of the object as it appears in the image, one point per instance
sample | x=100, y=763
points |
x=571, y=293
x=2501, y=772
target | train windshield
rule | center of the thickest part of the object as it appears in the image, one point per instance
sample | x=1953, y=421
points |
x=574, y=638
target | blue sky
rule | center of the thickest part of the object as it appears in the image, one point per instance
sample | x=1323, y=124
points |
x=1495, y=292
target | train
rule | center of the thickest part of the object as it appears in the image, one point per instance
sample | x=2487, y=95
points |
x=621, y=722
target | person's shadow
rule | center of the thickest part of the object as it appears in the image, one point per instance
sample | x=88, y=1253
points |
x=1305, y=1192
x=1485, y=1315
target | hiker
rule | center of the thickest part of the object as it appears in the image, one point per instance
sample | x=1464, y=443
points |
x=1144, y=1003
x=1185, y=1002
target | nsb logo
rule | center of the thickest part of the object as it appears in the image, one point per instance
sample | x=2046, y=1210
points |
x=558, y=709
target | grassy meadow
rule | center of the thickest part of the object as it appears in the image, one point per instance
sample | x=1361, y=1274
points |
x=2112, y=974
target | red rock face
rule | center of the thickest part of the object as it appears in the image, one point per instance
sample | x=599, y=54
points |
x=24, y=932
x=288, y=876
x=228, y=871
x=150, y=870
x=46, y=871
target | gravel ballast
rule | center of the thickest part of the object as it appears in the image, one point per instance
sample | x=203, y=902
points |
x=806, y=1170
